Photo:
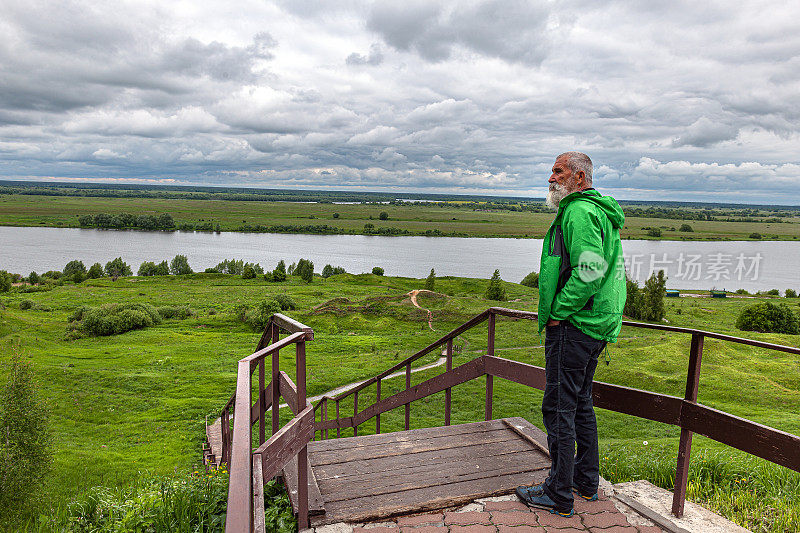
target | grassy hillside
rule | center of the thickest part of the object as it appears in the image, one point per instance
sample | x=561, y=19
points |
x=136, y=402
x=449, y=219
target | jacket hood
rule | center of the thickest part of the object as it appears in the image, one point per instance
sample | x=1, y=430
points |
x=607, y=204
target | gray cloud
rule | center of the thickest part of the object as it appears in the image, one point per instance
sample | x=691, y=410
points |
x=681, y=100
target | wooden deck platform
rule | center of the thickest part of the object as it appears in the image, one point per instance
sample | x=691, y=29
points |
x=358, y=479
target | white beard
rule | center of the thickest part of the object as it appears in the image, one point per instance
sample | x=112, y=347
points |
x=555, y=195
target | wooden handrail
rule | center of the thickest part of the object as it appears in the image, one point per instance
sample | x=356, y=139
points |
x=292, y=439
x=771, y=444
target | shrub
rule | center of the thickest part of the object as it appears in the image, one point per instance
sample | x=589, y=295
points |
x=286, y=302
x=117, y=267
x=741, y=291
x=654, y=232
x=113, y=319
x=279, y=274
x=146, y=268
x=686, y=227
x=25, y=446
x=768, y=317
x=195, y=501
x=149, y=268
x=95, y=271
x=75, y=271
x=258, y=318
x=26, y=304
x=755, y=235
x=336, y=215
x=384, y=215
x=248, y=272
x=378, y=271
x=368, y=227
x=211, y=270
x=179, y=266
x=171, y=311
x=33, y=278
x=5, y=281
x=52, y=274
x=773, y=292
x=495, y=290
x=430, y=281
x=790, y=293
x=327, y=271
x=531, y=280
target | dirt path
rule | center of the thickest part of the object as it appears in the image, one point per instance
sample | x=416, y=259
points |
x=413, y=295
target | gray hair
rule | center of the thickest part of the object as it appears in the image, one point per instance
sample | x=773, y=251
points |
x=578, y=162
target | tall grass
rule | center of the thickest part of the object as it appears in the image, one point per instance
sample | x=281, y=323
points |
x=749, y=491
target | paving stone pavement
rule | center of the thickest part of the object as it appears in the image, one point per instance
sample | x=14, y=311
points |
x=504, y=514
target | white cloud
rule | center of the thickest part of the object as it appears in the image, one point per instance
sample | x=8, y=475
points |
x=670, y=100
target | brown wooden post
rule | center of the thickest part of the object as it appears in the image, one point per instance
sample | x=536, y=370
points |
x=355, y=412
x=276, y=391
x=302, y=456
x=338, y=429
x=325, y=416
x=378, y=417
x=226, y=429
x=408, y=405
x=448, y=391
x=262, y=401
x=489, y=378
x=685, y=445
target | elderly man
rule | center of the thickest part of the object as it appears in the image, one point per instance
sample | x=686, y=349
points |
x=581, y=297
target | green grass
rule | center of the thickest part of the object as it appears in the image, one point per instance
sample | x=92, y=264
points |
x=63, y=211
x=135, y=404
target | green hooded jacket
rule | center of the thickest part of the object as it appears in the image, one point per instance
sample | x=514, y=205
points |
x=582, y=273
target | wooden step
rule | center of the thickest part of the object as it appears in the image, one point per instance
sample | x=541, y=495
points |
x=316, y=505
x=212, y=455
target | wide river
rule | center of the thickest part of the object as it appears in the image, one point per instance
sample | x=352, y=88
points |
x=750, y=265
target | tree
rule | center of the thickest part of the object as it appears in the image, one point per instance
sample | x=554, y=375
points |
x=430, y=281
x=165, y=221
x=75, y=271
x=495, y=290
x=279, y=274
x=654, y=232
x=686, y=227
x=117, y=267
x=179, y=266
x=646, y=303
x=384, y=215
x=25, y=446
x=146, y=268
x=95, y=271
x=327, y=271
x=162, y=269
x=248, y=272
x=33, y=278
x=378, y=271
x=756, y=235
x=5, y=281
x=531, y=280
x=305, y=269
x=655, y=289
x=368, y=227
x=790, y=293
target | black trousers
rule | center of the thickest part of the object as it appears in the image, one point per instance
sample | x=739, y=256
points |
x=570, y=363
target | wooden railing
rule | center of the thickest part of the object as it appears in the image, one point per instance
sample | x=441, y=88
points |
x=763, y=441
x=250, y=469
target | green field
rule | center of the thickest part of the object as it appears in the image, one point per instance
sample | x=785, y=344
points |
x=135, y=404
x=448, y=219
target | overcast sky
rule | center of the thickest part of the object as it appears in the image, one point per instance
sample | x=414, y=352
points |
x=672, y=100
